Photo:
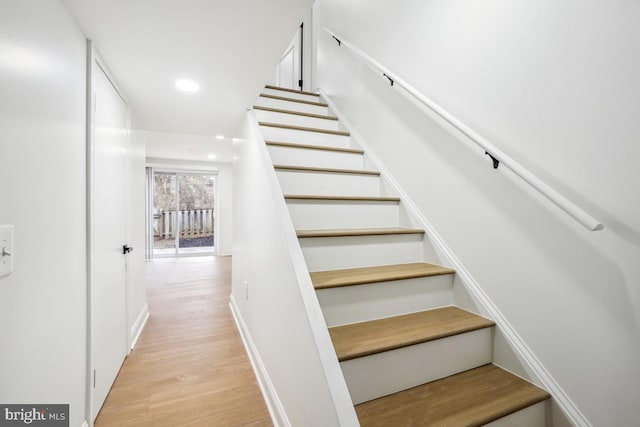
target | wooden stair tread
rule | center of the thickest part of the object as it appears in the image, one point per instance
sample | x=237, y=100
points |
x=351, y=232
x=341, y=198
x=375, y=336
x=286, y=89
x=314, y=147
x=297, y=113
x=304, y=128
x=301, y=101
x=325, y=170
x=472, y=398
x=383, y=273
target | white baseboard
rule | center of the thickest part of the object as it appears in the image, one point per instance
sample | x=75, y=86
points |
x=276, y=410
x=85, y=423
x=138, y=326
x=224, y=253
x=574, y=415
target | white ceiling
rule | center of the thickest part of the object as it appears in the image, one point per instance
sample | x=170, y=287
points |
x=229, y=47
x=181, y=146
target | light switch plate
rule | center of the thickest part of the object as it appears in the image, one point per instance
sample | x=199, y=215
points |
x=6, y=247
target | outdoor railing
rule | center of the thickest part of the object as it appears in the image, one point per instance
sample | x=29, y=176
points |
x=190, y=223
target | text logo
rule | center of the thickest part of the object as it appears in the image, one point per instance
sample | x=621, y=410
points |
x=34, y=415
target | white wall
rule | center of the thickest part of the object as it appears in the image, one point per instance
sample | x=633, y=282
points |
x=276, y=301
x=554, y=85
x=42, y=171
x=137, y=308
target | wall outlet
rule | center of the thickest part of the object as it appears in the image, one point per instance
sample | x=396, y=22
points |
x=6, y=250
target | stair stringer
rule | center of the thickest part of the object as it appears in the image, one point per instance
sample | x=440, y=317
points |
x=471, y=289
x=331, y=368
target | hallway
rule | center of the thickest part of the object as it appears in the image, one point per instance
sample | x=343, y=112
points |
x=189, y=367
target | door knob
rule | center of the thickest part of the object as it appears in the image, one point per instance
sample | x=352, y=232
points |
x=126, y=249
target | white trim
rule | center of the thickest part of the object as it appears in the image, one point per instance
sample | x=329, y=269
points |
x=95, y=63
x=165, y=165
x=329, y=362
x=138, y=326
x=274, y=405
x=540, y=186
x=560, y=396
x=225, y=253
x=89, y=228
x=85, y=423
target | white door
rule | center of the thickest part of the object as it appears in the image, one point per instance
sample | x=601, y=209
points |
x=109, y=212
x=288, y=69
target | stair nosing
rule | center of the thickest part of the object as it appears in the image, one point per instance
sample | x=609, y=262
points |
x=342, y=198
x=300, y=101
x=304, y=128
x=385, y=276
x=314, y=147
x=486, y=323
x=297, y=113
x=357, y=232
x=284, y=89
x=326, y=170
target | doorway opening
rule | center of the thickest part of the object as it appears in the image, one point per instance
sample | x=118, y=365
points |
x=182, y=214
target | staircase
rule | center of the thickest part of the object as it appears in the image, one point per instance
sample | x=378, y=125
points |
x=408, y=355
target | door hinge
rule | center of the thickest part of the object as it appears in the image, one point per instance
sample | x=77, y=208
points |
x=94, y=378
x=300, y=84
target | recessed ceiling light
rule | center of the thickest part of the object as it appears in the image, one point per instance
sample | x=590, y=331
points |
x=219, y=136
x=211, y=156
x=236, y=139
x=187, y=85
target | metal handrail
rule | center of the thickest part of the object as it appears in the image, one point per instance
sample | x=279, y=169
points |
x=497, y=156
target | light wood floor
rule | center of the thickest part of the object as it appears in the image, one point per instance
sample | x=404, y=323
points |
x=189, y=367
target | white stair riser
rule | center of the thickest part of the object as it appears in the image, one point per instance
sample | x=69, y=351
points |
x=334, y=253
x=290, y=105
x=385, y=373
x=352, y=304
x=296, y=120
x=288, y=94
x=308, y=214
x=533, y=416
x=332, y=184
x=315, y=158
x=304, y=137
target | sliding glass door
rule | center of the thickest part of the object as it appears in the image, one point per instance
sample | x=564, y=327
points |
x=183, y=214
x=195, y=217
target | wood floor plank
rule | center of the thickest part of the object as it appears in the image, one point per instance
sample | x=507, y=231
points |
x=190, y=367
x=375, y=336
x=294, y=168
x=351, y=232
x=314, y=147
x=384, y=273
x=341, y=198
x=470, y=399
x=301, y=101
x=304, y=128
x=285, y=89
x=296, y=113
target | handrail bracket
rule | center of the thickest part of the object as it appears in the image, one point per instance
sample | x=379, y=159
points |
x=496, y=162
x=490, y=150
